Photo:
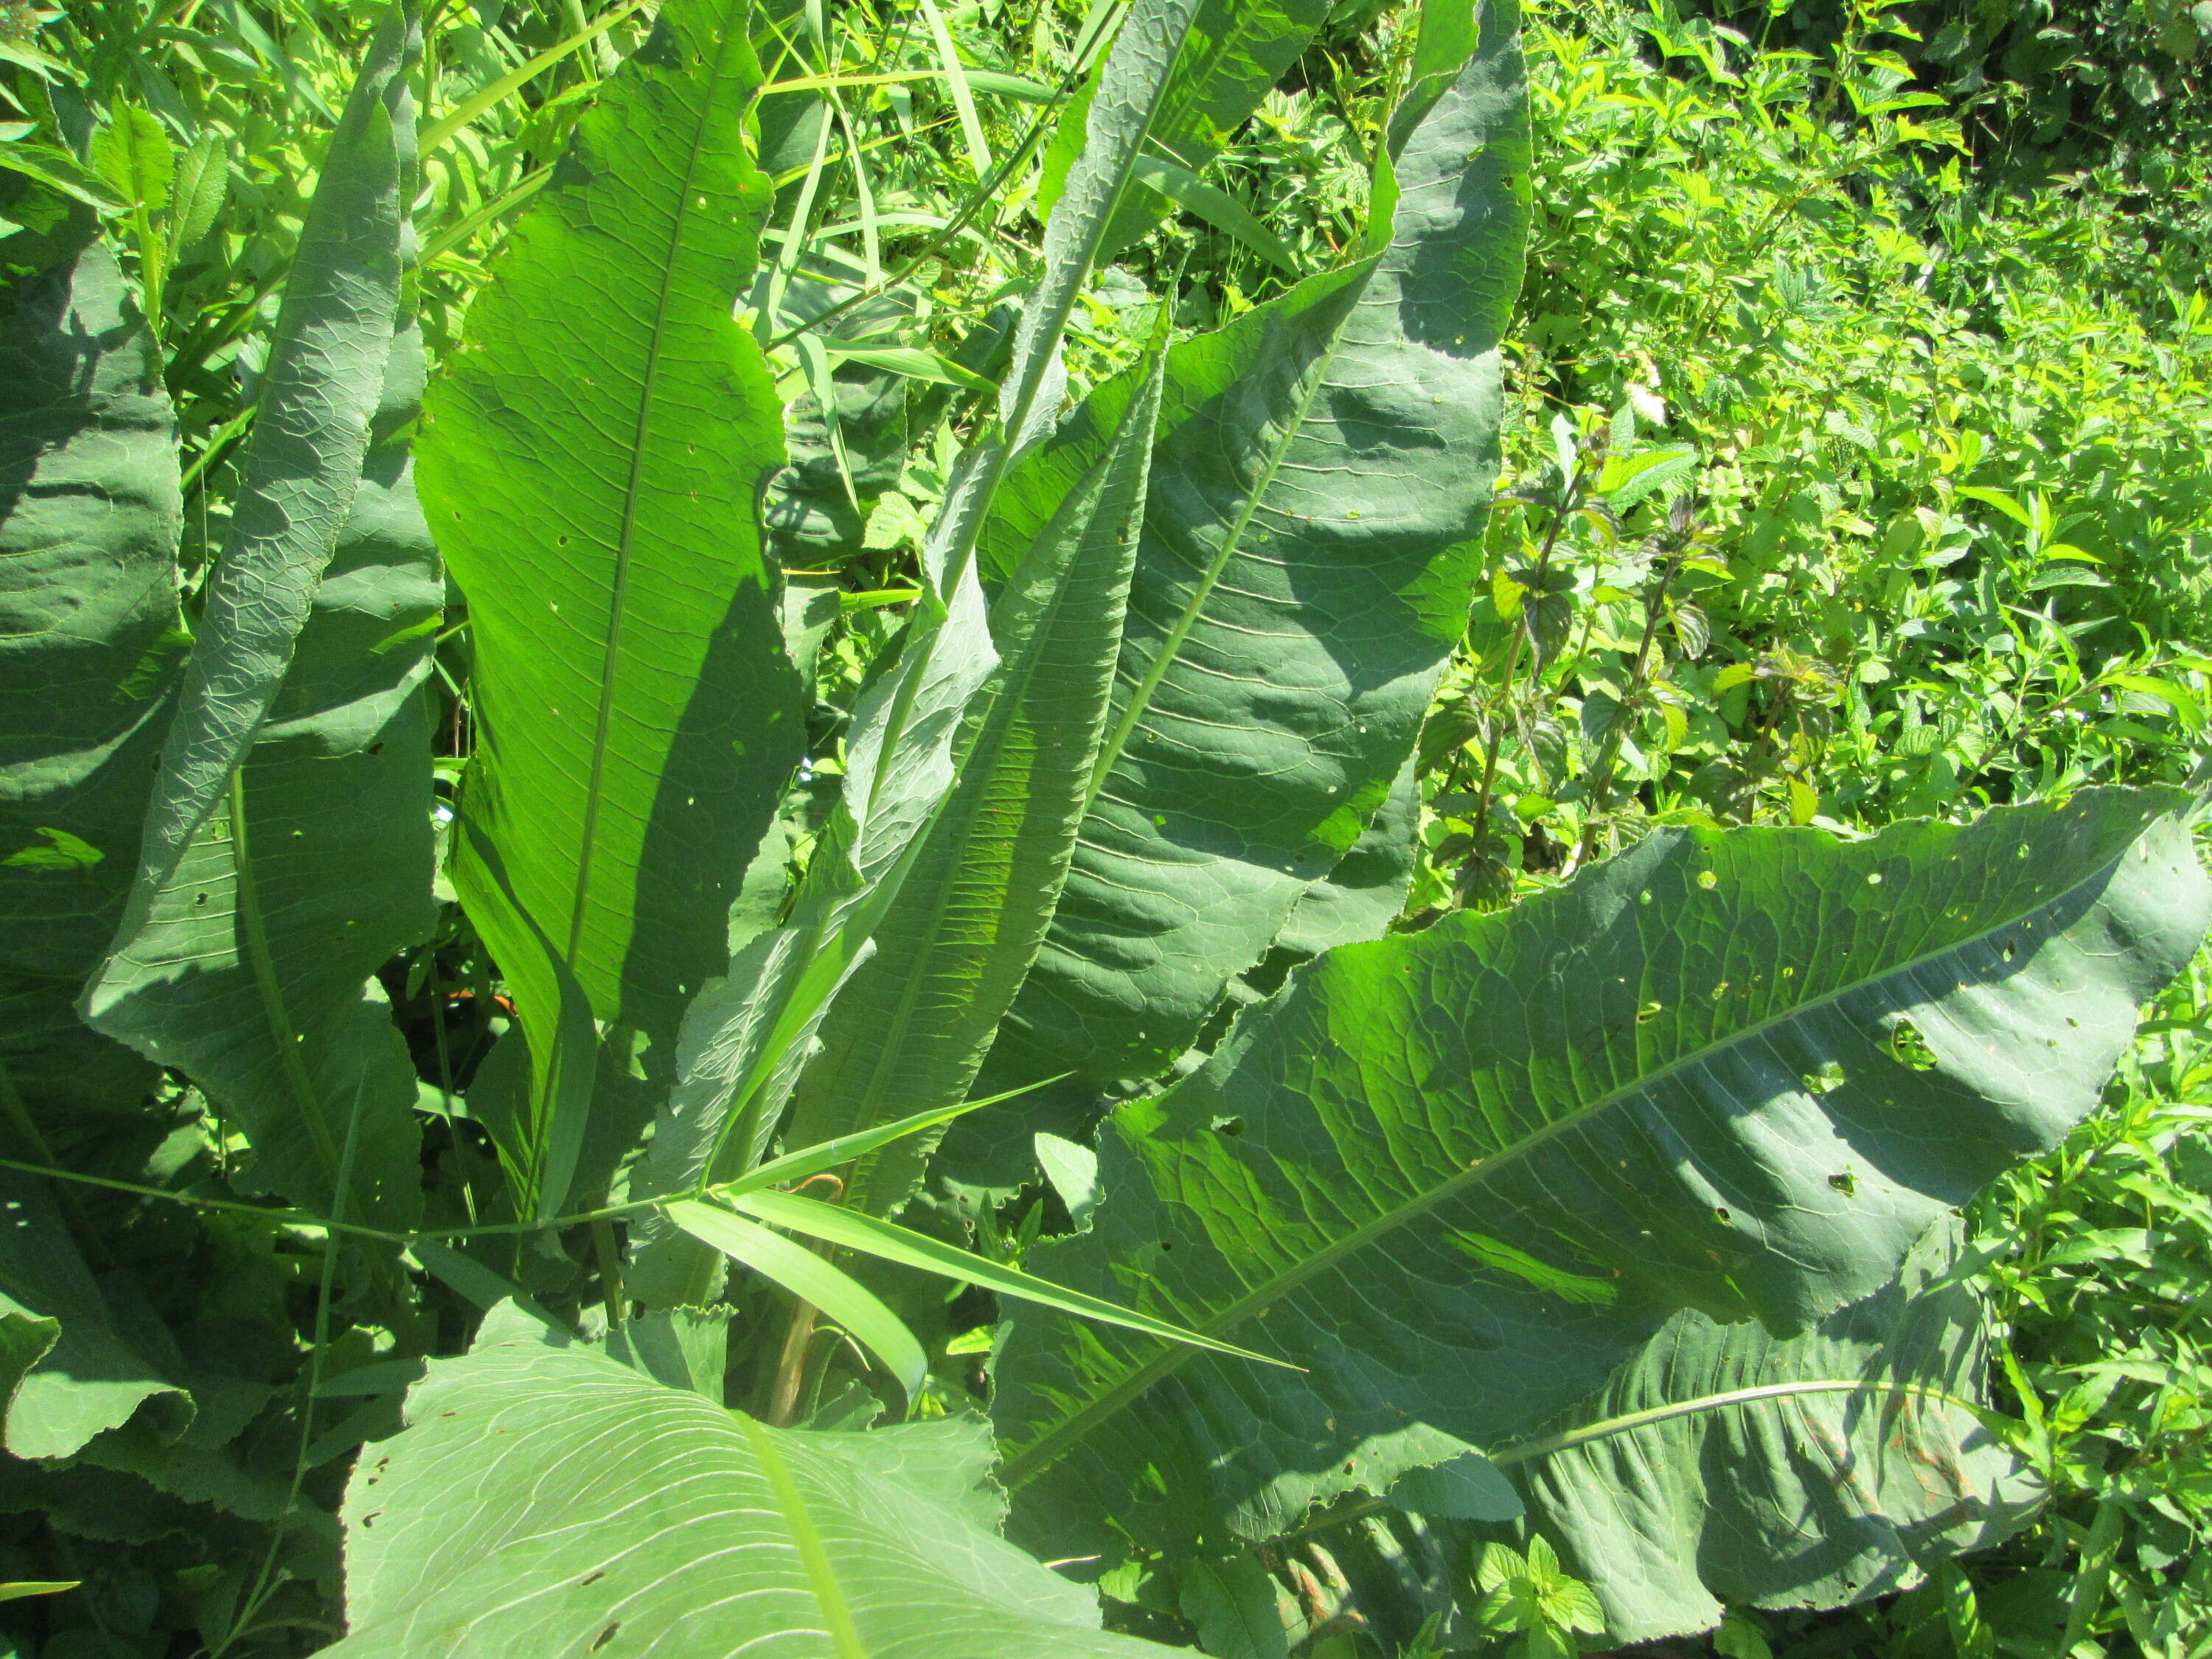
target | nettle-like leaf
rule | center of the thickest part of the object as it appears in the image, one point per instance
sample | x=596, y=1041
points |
x=89, y=525
x=590, y=464
x=1465, y=1174
x=1309, y=540
x=548, y=1500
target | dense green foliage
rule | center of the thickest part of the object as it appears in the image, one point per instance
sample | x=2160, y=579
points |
x=1304, y=804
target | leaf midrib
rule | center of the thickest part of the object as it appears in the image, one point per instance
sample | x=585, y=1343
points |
x=261, y=963
x=806, y=1539
x=1033, y=1460
x=1628, y=1422
x=995, y=733
x=990, y=749
x=1171, y=650
x=626, y=534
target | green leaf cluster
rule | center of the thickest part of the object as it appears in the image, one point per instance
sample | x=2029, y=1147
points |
x=900, y=1025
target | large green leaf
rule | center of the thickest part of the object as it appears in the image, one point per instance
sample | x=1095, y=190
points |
x=80, y=1377
x=1464, y=1174
x=747, y=1035
x=1722, y=1465
x=907, y=1032
x=26, y=1337
x=316, y=405
x=90, y=646
x=546, y=1499
x=749, y=1032
x=254, y=974
x=592, y=463
x=1323, y=467
x=252, y=970
x=1237, y=50
x=1366, y=891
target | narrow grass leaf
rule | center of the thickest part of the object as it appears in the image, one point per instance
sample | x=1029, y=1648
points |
x=496, y=92
x=888, y=1240
x=1216, y=207
x=811, y=1279
x=956, y=82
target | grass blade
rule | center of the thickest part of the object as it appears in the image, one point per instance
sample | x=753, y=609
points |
x=888, y=1241
x=435, y=134
x=1216, y=207
x=813, y=1280
x=963, y=100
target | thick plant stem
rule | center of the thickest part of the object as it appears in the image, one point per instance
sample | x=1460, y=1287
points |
x=610, y=1280
x=1639, y=679
x=791, y=1366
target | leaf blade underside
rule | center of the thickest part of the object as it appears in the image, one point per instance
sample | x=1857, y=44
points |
x=545, y=1499
x=1462, y=1174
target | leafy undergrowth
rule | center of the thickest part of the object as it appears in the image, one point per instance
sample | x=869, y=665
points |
x=1855, y=472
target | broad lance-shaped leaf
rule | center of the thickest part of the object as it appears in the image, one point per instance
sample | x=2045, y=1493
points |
x=990, y=1154
x=747, y=1035
x=749, y=1032
x=255, y=973
x=590, y=464
x=1461, y=1174
x=90, y=644
x=252, y=969
x=1724, y=1465
x=548, y=1500
x=1235, y=52
x=908, y=1031
x=1310, y=541
x=325, y=377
